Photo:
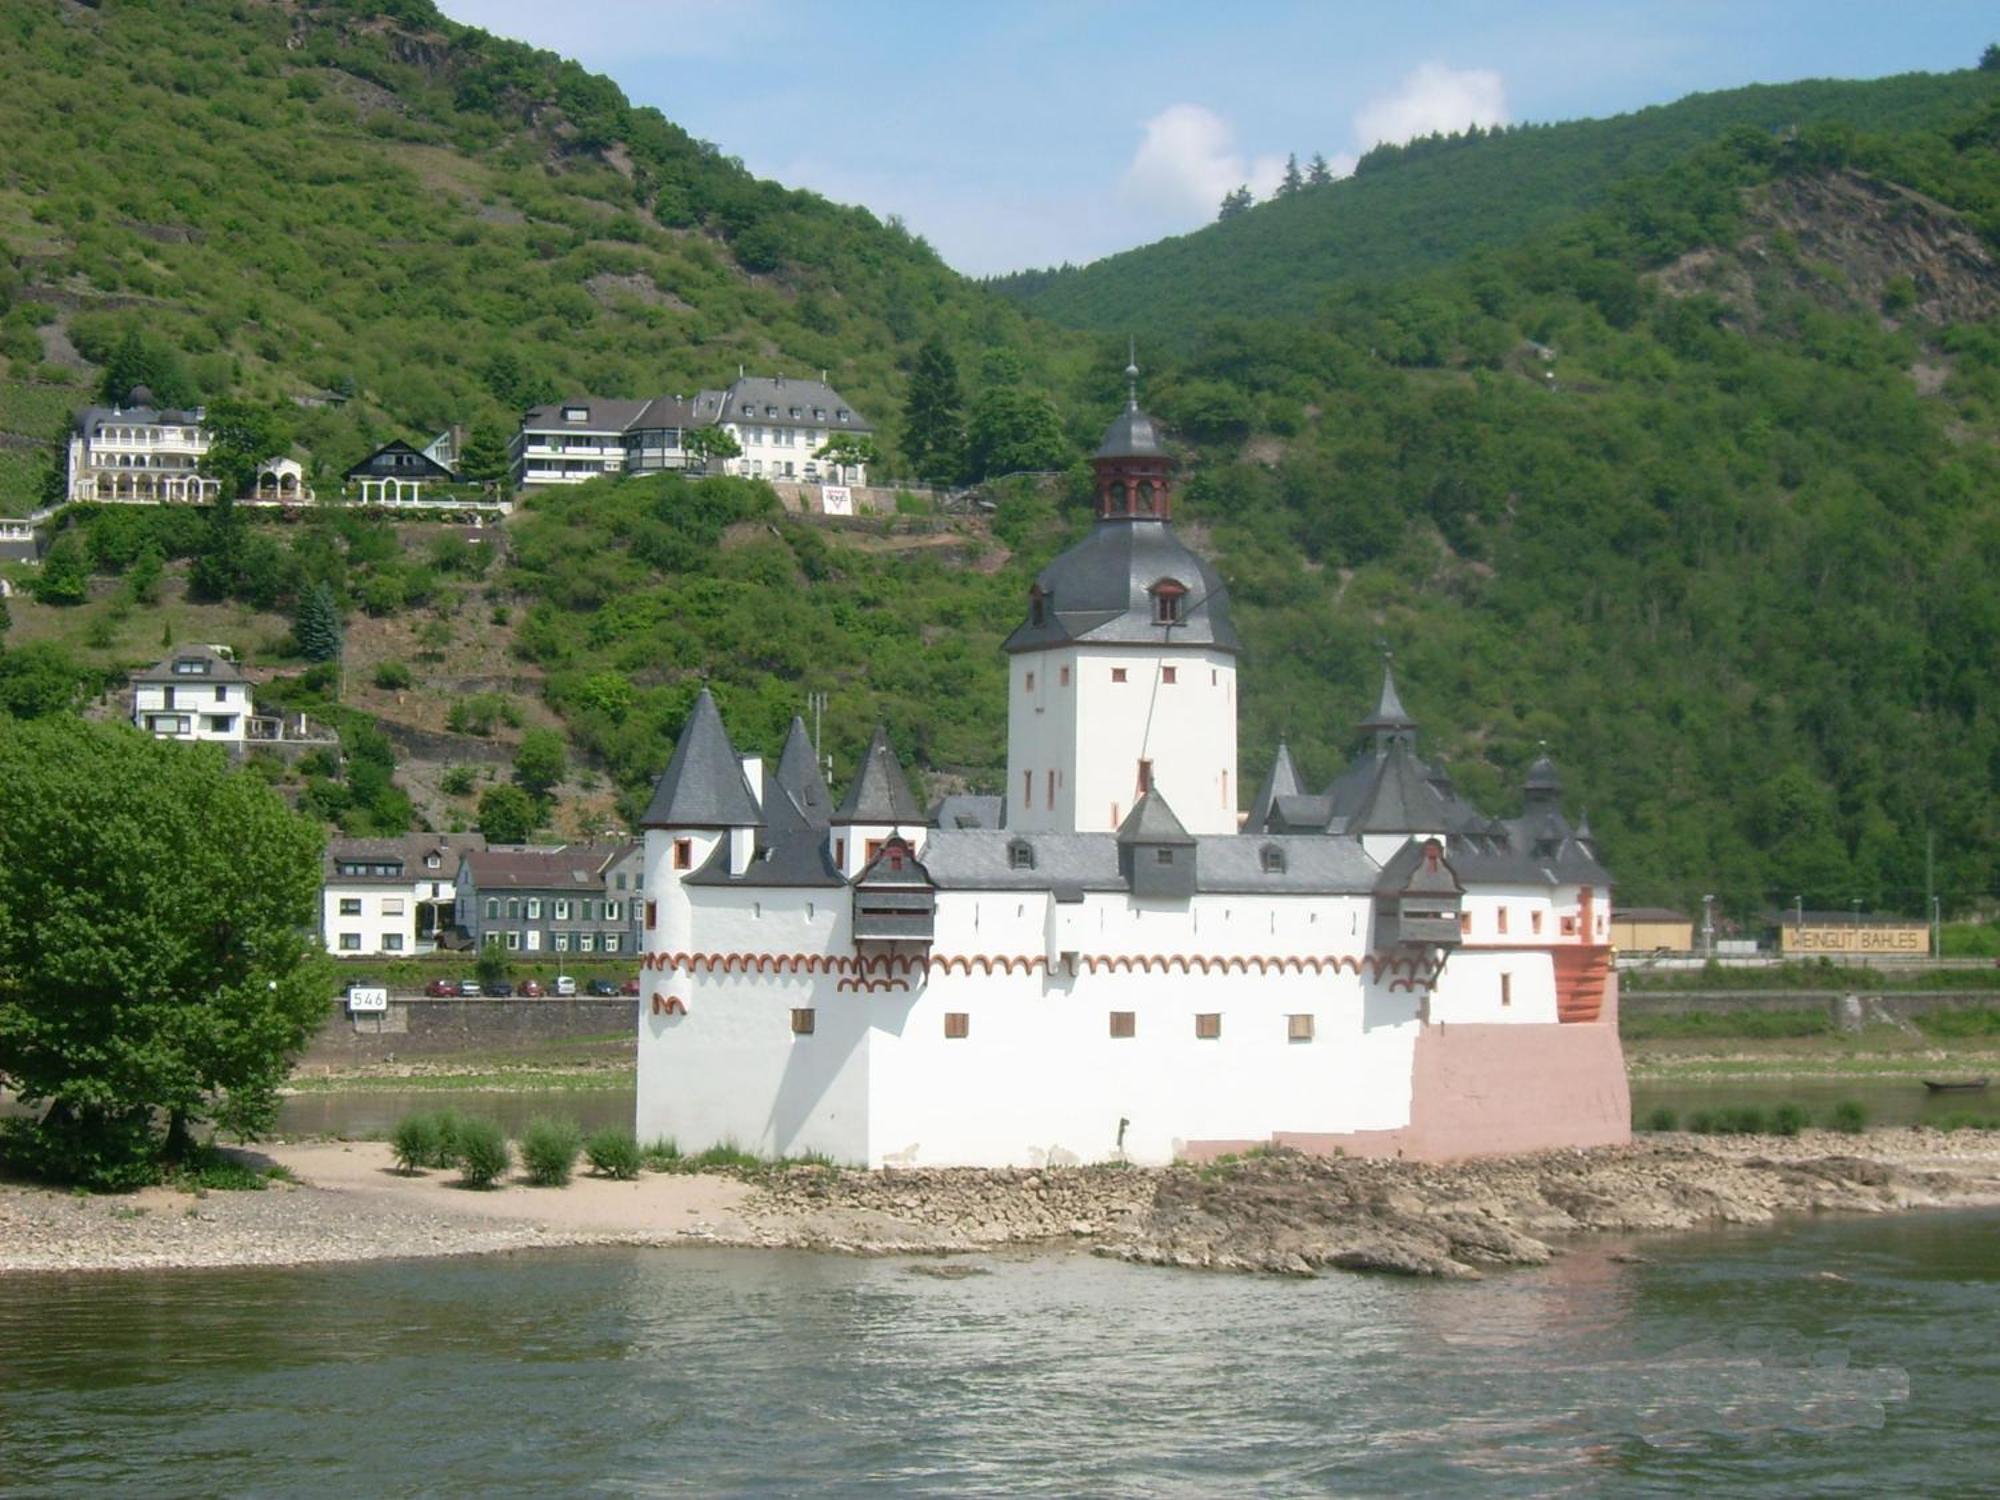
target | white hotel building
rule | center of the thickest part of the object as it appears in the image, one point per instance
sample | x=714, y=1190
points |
x=1112, y=962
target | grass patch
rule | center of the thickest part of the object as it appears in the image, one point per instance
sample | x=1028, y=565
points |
x=1965, y=1119
x=1701, y=1024
x=1850, y=1117
x=661, y=1155
x=1972, y=1022
x=1817, y=975
x=207, y=1169
x=1658, y=1120
x=614, y=1154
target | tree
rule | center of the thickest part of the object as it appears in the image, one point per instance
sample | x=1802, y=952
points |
x=157, y=949
x=1234, y=203
x=317, y=624
x=141, y=359
x=485, y=457
x=934, y=414
x=849, y=450
x=217, y=570
x=65, y=576
x=539, y=764
x=704, y=443
x=1014, y=429
x=41, y=679
x=1318, y=173
x=242, y=435
x=507, y=815
x=1291, y=182
x=1989, y=60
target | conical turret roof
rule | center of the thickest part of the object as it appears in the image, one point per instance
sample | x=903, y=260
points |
x=1151, y=821
x=1281, y=781
x=1389, y=711
x=703, y=785
x=879, y=792
x=798, y=773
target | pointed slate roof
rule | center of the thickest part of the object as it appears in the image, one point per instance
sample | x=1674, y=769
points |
x=703, y=785
x=1151, y=821
x=798, y=773
x=1389, y=711
x=1402, y=799
x=1543, y=778
x=1282, y=781
x=879, y=793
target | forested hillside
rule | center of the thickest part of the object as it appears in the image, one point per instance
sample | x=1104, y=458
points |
x=371, y=205
x=1434, y=201
x=1691, y=474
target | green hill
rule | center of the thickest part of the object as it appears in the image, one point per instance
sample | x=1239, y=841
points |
x=1434, y=201
x=1698, y=484
x=352, y=201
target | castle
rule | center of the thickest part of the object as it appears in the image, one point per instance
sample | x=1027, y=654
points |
x=1112, y=962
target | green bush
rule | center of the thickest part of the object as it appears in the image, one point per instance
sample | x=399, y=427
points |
x=1661, y=1118
x=1965, y=1119
x=614, y=1153
x=1850, y=1115
x=1744, y=1119
x=549, y=1150
x=1703, y=1122
x=1789, y=1119
x=207, y=1169
x=106, y=1154
x=417, y=1142
x=481, y=1149
x=392, y=675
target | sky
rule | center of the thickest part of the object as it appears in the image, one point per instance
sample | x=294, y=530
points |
x=1017, y=133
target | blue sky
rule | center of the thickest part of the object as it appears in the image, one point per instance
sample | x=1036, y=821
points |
x=1028, y=132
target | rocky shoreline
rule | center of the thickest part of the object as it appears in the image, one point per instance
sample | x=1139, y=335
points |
x=1282, y=1213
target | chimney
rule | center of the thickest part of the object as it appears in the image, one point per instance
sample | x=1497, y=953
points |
x=753, y=772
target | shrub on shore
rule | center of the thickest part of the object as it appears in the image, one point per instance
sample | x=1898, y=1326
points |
x=1659, y=1119
x=614, y=1154
x=483, y=1157
x=1965, y=1119
x=549, y=1150
x=1789, y=1119
x=1850, y=1116
x=662, y=1155
x=415, y=1142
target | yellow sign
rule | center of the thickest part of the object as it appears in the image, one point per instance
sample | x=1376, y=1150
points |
x=1913, y=938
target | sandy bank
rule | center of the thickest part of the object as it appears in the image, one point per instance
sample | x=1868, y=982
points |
x=1287, y=1213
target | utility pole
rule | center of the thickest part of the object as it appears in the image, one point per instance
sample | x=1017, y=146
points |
x=1930, y=888
x=1708, y=925
x=817, y=703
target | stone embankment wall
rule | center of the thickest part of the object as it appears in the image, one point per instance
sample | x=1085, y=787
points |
x=1899, y=1004
x=424, y=1028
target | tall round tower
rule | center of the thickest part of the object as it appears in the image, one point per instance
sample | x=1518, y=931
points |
x=1123, y=675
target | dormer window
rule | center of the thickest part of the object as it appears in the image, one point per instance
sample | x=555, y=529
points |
x=843, y=414
x=1169, y=598
x=819, y=413
x=1038, y=606
x=1272, y=858
x=1020, y=855
x=576, y=414
x=191, y=666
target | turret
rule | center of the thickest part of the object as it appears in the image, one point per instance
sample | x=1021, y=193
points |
x=878, y=805
x=701, y=804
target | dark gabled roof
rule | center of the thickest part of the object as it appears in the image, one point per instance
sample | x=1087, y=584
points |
x=798, y=774
x=1151, y=821
x=791, y=850
x=1400, y=798
x=879, y=792
x=881, y=871
x=600, y=414
x=1281, y=781
x=141, y=413
x=970, y=810
x=754, y=398
x=1069, y=864
x=1302, y=814
x=1100, y=592
x=429, y=468
x=407, y=851
x=703, y=785
x=665, y=411
x=572, y=867
x=1409, y=871
x=219, y=668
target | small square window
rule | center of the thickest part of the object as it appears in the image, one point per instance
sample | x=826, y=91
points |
x=1298, y=1028
x=957, y=1025
x=1465, y=924
x=392, y=942
x=586, y=942
x=1117, y=674
x=1020, y=856
x=1569, y=927
x=513, y=942
x=350, y=942
x=1163, y=856
x=350, y=906
x=1272, y=858
x=1028, y=684
x=1208, y=1025
x=802, y=1021
x=683, y=853
x=1062, y=677
x=1169, y=674
x=1124, y=1023
x=1535, y=920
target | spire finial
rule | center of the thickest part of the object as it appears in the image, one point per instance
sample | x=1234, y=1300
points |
x=1131, y=373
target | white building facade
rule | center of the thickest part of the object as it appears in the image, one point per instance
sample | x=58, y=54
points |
x=139, y=454
x=391, y=897
x=1115, y=963
x=198, y=693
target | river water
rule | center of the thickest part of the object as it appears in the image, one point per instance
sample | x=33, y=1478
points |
x=1850, y=1356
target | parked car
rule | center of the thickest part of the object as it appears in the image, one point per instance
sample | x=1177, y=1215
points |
x=531, y=989
x=441, y=989
x=630, y=986
x=468, y=989
x=602, y=987
x=499, y=989
x=565, y=985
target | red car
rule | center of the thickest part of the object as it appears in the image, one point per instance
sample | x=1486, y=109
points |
x=532, y=989
x=629, y=987
x=442, y=988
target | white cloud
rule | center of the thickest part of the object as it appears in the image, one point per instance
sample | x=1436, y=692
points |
x=1433, y=98
x=1188, y=160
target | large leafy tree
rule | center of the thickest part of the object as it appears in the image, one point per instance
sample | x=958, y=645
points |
x=1014, y=430
x=157, y=958
x=242, y=435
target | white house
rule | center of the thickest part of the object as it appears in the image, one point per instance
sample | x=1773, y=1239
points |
x=197, y=693
x=138, y=453
x=391, y=897
x=781, y=424
x=569, y=442
x=1111, y=962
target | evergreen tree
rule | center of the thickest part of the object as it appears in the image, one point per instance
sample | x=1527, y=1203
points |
x=1291, y=182
x=1318, y=173
x=140, y=359
x=217, y=569
x=64, y=577
x=1234, y=203
x=484, y=460
x=317, y=625
x=934, y=414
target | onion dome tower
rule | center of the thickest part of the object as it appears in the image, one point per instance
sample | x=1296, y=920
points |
x=1123, y=674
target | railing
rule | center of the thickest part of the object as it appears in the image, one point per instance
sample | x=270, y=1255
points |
x=270, y=729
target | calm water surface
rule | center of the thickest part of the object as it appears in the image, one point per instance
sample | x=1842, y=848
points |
x=1849, y=1357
